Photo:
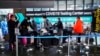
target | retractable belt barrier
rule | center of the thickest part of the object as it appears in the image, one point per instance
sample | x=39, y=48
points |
x=76, y=36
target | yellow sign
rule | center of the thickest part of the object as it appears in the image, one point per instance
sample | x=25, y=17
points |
x=97, y=17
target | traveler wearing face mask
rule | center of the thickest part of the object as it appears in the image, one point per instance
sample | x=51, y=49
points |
x=24, y=31
x=78, y=28
x=46, y=31
x=60, y=27
x=60, y=30
x=24, y=27
x=47, y=24
x=4, y=27
x=11, y=28
x=34, y=32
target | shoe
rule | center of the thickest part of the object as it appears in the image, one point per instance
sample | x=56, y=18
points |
x=30, y=49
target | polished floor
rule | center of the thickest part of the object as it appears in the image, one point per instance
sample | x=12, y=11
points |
x=52, y=51
x=7, y=53
x=58, y=51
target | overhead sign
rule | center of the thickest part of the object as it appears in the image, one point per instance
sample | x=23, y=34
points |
x=59, y=13
x=96, y=20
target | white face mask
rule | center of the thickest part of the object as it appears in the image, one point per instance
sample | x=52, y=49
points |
x=28, y=20
x=44, y=19
x=32, y=20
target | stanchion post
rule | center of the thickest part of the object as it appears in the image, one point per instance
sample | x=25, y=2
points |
x=16, y=45
x=69, y=45
x=96, y=43
x=88, y=42
x=95, y=38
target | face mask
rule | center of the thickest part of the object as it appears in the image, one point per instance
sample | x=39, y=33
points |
x=13, y=19
x=28, y=20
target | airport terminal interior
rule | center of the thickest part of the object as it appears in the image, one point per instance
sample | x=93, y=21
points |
x=68, y=28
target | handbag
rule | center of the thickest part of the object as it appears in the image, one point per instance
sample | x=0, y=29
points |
x=24, y=41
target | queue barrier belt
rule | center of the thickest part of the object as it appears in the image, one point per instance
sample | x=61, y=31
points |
x=73, y=36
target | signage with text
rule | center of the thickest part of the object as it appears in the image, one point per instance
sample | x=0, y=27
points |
x=64, y=19
x=59, y=13
x=96, y=20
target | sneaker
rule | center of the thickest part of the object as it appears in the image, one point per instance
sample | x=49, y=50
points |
x=30, y=49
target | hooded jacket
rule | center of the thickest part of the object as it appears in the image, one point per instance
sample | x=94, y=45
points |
x=78, y=27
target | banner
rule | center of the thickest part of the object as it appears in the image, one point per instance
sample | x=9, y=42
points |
x=59, y=13
x=64, y=19
x=96, y=21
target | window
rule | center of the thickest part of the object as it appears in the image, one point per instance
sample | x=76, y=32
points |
x=62, y=5
x=29, y=9
x=45, y=9
x=79, y=4
x=87, y=4
x=70, y=5
x=37, y=9
x=96, y=4
x=5, y=11
x=55, y=6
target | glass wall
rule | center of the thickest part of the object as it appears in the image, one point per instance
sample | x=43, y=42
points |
x=79, y=5
x=96, y=3
x=55, y=6
x=45, y=9
x=62, y=5
x=37, y=9
x=87, y=4
x=29, y=9
x=70, y=5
